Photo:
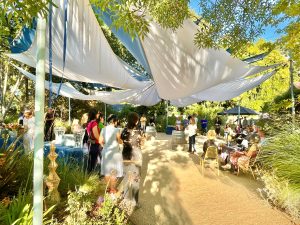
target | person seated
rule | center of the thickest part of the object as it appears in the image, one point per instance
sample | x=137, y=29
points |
x=243, y=157
x=211, y=136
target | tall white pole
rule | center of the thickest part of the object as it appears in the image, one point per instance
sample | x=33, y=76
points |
x=69, y=111
x=105, y=113
x=39, y=123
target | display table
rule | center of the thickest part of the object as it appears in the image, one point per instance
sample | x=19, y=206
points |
x=12, y=138
x=67, y=153
x=150, y=132
x=178, y=141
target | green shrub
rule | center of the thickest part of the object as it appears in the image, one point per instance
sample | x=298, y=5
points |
x=82, y=211
x=280, y=168
x=281, y=194
x=20, y=211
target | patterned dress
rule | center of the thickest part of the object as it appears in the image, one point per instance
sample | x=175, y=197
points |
x=132, y=172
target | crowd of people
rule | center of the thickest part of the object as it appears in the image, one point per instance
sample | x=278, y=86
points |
x=119, y=151
x=239, y=141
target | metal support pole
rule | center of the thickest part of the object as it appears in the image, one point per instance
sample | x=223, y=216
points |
x=69, y=111
x=292, y=89
x=39, y=123
x=105, y=113
x=239, y=112
x=167, y=109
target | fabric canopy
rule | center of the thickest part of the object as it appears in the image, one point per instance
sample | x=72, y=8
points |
x=239, y=110
x=89, y=57
x=146, y=96
x=180, y=69
x=181, y=72
x=224, y=91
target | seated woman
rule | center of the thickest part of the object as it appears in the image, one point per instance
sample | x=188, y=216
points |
x=211, y=135
x=242, y=158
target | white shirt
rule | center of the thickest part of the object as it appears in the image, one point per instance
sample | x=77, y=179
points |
x=192, y=129
x=29, y=125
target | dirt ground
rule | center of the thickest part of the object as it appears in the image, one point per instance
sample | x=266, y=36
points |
x=174, y=191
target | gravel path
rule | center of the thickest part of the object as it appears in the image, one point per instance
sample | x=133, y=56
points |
x=174, y=191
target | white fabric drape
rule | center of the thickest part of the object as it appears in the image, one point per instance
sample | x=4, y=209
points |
x=146, y=96
x=180, y=69
x=181, y=72
x=89, y=57
x=224, y=91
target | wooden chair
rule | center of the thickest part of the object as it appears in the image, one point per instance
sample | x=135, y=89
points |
x=251, y=165
x=211, y=155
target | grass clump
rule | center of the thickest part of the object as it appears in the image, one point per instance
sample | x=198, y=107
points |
x=280, y=169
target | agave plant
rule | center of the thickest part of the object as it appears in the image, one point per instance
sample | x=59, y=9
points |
x=9, y=157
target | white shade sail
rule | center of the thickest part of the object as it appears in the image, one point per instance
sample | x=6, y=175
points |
x=146, y=96
x=181, y=69
x=224, y=91
x=89, y=57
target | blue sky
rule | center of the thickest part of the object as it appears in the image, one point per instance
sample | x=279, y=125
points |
x=270, y=32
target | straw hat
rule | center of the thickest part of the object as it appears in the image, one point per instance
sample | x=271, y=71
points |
x=255, y=139
x=211, y=134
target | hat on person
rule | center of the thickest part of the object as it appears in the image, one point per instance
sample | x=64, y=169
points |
x=255, y=139
x=211, y=134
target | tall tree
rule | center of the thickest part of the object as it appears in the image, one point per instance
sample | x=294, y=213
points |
x=222, y=23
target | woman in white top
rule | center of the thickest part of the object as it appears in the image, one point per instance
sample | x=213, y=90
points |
x=28, y=139
x=112, y=160
x=192, y=131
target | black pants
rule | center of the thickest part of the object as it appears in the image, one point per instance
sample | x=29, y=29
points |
x=94, y=152
x=192, y=141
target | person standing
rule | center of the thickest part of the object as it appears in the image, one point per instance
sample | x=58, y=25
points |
x=196, y=118
x=93, y=132
x=192, y=131
x=178, y=123
x=132, y=158
x=49, y=124
x=112, y=160
x=21, y=119
x=28, y=140
x=143, y=121
x=218, y=124
x=244, y=123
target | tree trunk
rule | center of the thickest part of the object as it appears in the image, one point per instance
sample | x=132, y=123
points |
x=26, y=90
x=4, y=89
